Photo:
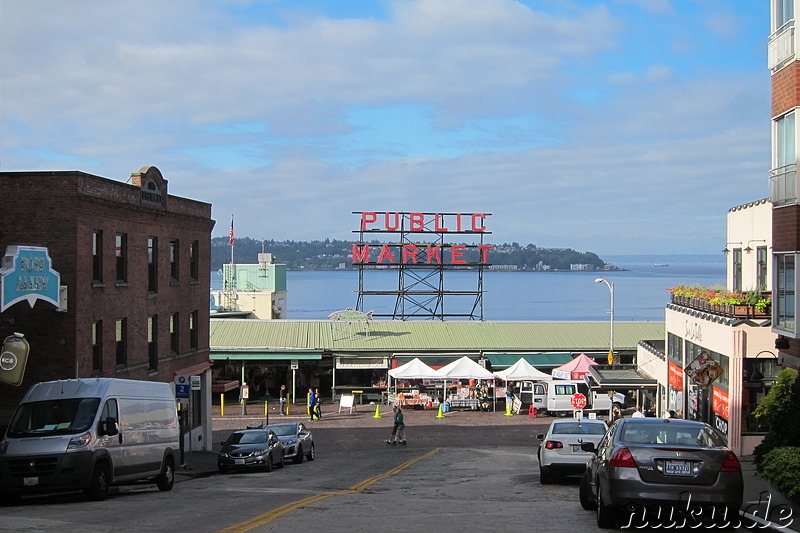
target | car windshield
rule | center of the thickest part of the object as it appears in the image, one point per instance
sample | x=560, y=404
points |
x=54, y=417
x=284, y=431
x=678, y=434
x=578, y=428
x=251, y=437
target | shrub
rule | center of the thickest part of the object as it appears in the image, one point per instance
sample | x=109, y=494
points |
x=782, y=467
x=779, y=406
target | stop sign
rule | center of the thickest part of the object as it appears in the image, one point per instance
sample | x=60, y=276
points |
x=578, y=401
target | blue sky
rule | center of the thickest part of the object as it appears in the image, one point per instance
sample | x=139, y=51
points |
x=617, y=127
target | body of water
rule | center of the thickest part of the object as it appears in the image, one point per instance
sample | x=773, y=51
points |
x=639, y=291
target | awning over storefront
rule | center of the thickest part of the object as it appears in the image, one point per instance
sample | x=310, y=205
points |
x=501, y=361
x=264, y=355
x=361, y=363
x=618, y=377
x=433, y=360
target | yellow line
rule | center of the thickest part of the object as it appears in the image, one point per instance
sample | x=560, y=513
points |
x=287, y=508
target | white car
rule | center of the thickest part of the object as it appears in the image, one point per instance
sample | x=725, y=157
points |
x=560, y=448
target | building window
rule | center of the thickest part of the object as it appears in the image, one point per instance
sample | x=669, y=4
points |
x=761, y=268
x=122, y=341
x=97, y=256
x=152, y=343
x=174, y=330
x=121, y=255
x=193, y=324
x=97, y=346
x=173, y=259
x=783, y=186
x=194, y=273
x=152, y=264
x=783, y=299
x=783, y=11
x=737, y=270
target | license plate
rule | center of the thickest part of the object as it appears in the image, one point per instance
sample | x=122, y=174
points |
x=238, y=461
x=576, y=448
x=30, y=481
x=678, y=468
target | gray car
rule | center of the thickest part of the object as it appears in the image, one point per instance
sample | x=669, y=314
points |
x=297, y=440
x=651, y=469
x=250, y=449
x=560, y=450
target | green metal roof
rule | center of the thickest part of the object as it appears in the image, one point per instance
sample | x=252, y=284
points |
x=264, y=355
x=232, y=335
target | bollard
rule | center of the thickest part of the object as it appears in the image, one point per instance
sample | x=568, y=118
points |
x=222, y=404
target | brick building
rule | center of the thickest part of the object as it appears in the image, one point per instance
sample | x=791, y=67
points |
x=785, y=73
x=134, y=275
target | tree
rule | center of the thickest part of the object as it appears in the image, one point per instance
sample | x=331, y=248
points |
x=776, y=410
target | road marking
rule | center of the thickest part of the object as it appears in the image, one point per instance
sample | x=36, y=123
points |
x=287, y=508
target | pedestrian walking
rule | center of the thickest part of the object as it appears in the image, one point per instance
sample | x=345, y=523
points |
x=399, y=428
x=317, y=404
x=282, y=396
x=312, y=403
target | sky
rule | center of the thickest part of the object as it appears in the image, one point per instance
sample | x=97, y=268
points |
x=613, y=127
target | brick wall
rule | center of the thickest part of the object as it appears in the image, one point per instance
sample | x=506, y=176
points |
x=785, y=85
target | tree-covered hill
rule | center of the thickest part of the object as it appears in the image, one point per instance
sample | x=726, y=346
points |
x=332, y=254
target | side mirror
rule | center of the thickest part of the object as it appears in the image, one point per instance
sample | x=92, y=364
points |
x=588, y=447
x=109, y=426
x=540, y=436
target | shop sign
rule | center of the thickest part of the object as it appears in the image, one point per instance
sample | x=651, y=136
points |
x=26, y=274
x=675, y=376
x=719, y=402
x=703, y=370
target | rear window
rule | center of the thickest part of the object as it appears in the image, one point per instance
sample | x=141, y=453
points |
x=674, y=434
x=578, y=428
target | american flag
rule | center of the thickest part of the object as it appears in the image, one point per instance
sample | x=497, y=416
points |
x=230, y=233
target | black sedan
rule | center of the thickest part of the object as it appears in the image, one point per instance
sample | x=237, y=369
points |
x=646, y=469
x=250, y=449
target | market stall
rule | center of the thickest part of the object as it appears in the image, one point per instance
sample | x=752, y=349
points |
x=413, y=370
x=522, y=370
x=471, y=396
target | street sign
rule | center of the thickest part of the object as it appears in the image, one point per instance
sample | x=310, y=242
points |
x=295, y=364
x=578, y=401
x=195, y=382
x=182, y=391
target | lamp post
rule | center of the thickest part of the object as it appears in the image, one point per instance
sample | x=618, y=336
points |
x=611, y=347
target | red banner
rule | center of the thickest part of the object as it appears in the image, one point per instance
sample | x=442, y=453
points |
x=675, y=376
x=719, y=402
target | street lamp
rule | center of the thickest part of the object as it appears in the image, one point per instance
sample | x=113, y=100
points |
x=611, y=348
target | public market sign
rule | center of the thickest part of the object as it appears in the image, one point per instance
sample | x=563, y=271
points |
x=433, y=224
x=27, y=275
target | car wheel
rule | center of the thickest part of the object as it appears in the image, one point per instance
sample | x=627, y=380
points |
x=606, y=514
x=311, y=454
x=268, y=466
x=10, y=498
x=282, y=462
x=98, y=488
x=545, y=475
x=298, y=457
x=166, y=478
x=585, y=493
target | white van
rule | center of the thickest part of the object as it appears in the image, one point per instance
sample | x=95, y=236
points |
x=554, y=396
x=88, y=434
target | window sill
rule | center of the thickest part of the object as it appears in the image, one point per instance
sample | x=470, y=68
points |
x=174, y=283
x=122, y=284
x=98, y=284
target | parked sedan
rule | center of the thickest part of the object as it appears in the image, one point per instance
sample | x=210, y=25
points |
x=297, y=440
x=653, y=468
x=250, y=448
x=560, y=450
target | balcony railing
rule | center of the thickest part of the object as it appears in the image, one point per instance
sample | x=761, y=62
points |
x=725, y=310
x=783, y=185
x=781, y=46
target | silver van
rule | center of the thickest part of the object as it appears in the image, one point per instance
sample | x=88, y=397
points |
x=89, y=434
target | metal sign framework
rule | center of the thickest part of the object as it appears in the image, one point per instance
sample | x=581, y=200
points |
x=421, y=291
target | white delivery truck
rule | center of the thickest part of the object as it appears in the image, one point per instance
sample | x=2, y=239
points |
x=88, y=434
x=554, y=396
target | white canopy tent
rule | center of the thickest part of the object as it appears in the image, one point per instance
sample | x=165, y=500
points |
x=522, y=370
x=464, y=368
x=414, y=369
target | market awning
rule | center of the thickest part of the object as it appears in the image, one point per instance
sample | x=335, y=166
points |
x=362, y=363
x=263, y=355
x=432, y=359
x=617, y=377
x=501, y=361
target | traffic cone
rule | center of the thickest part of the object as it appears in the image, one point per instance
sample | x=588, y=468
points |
x=508, y=409
x=440, y=414
x=532, y=411
x=377, y=411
